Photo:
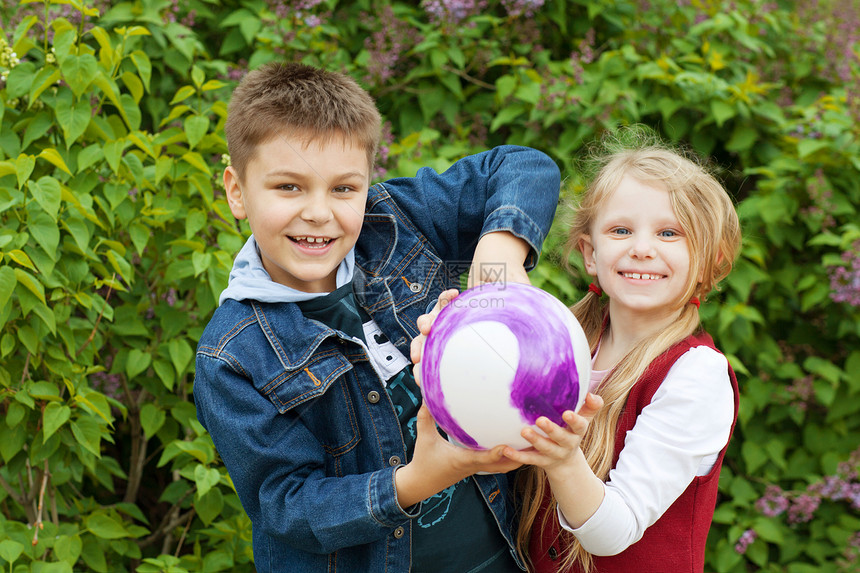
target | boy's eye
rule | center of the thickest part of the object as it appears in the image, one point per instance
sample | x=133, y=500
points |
x=342, y=189
x=287, y=187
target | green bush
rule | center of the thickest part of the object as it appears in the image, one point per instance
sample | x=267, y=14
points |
x=115, y=238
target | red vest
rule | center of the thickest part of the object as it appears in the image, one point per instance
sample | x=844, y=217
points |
x=675, y=543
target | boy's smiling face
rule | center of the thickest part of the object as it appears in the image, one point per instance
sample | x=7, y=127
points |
x=304, y=201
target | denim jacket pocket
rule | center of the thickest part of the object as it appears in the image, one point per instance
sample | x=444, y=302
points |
x=318, y=393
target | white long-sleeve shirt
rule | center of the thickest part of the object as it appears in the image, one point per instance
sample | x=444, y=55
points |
x=677, y=437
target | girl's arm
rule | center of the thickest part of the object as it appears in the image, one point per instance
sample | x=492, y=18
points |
x=688, y=421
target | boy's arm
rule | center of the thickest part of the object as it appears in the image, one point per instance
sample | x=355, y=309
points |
x=278, y=469
x=499, y=257
x=509, y=188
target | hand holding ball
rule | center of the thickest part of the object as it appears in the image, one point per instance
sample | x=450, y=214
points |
x=497, y=358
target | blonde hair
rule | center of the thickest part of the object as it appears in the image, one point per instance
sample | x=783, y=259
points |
x=299, y=99
x=709, y=221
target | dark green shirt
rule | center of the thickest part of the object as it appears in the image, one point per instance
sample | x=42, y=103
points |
x=455, y=531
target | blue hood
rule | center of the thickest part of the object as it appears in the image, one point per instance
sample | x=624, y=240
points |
x=250, y=281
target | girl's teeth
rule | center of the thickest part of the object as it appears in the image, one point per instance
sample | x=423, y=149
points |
x=641, y=276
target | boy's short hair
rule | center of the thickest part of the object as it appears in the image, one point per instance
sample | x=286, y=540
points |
x=290, y=97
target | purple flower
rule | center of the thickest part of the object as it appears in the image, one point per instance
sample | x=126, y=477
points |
x=745, y=540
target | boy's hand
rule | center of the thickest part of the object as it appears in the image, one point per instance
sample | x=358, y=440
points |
x=438, y=464
x=499, y=257
x=424, y=323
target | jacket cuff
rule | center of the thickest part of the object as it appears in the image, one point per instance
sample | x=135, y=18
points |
x=518, y=223
x=382, y=496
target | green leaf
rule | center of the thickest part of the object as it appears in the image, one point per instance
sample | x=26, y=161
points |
x=45, y=78
x=212, y=85
x=201, y=261
x=196, y=127
x=93, y=554
x=88, y=434
x=7, y=284
x=79, y=72
x=209, y=506
x=113, y=153
x=139, y=234
x=54, y=157
x=105, y=526
x=722, y=112
x=507, y=115
x=136, y=362
x=181, y=354
x=90, y=155
x=37, y=127
x=769, y=530
x=151, y=419
x=194, y=159
x=130, y=112
x=54, y=416
x=165, y=373
x=68, y=548
x=806, y=147
x=134, y=85
x=10, y=550
x=198, y=76
x=48, y=194
x=16, y=411
x=143, y=65
x=24, y=167
x=80, y=232
x=31, y=284
x=21, y=258
x=206, y=479
x=46, y=232
x=182, y=94
x=73, y=119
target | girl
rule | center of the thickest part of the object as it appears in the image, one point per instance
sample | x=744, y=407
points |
x=630, y=484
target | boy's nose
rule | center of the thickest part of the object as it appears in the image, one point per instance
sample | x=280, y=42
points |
x=316, y=209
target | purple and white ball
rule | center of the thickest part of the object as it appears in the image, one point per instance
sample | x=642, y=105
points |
x=497, y=358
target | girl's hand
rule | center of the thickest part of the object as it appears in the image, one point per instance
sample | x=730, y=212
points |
x=556, y=452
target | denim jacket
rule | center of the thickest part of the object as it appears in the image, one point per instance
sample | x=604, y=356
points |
x=296, y=410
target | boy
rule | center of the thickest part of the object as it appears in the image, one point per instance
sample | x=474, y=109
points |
x=302, y=379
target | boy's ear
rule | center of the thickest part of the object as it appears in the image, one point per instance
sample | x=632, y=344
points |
x=233, y=188
x=588, y=254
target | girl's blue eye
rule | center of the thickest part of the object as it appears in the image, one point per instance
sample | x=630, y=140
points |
x=668, y=233
x=621, y=231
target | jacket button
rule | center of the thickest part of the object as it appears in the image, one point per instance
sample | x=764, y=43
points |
x=394, y=461
x=373, y=396
x=415, y=287
x=553, y=554
x=398, y=533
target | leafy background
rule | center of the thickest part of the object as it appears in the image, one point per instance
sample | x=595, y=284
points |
x=115, y=238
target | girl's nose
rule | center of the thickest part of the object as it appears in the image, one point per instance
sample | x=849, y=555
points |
x=642, y=248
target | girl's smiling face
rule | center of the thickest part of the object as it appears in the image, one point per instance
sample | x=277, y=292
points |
x=639, y=252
